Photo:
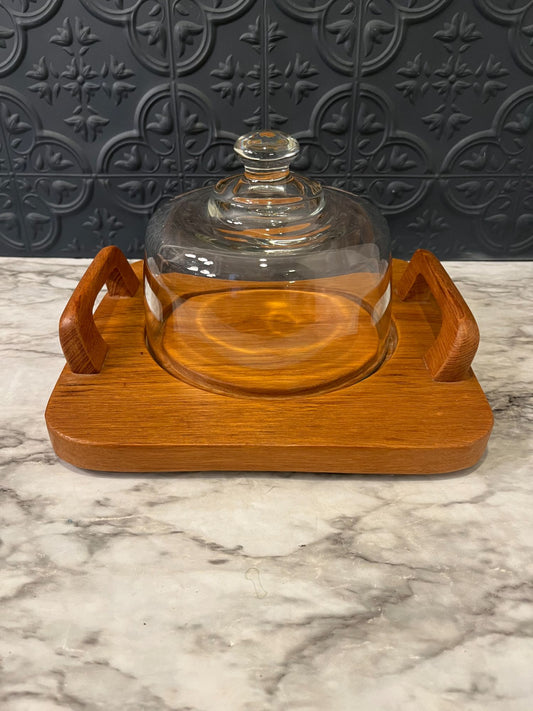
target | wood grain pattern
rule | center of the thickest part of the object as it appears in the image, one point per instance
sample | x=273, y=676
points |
x=134, y=416
x=261, y=339
x=82, y=344
x=449, y=358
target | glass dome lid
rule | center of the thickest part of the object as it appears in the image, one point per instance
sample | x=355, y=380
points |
x=268, y=284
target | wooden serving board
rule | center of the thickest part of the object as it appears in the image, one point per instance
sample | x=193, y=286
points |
x=422, y=412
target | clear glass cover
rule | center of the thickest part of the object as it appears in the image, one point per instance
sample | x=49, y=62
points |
x=268, y=284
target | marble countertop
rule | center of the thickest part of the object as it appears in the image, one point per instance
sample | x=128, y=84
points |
x=269, y=592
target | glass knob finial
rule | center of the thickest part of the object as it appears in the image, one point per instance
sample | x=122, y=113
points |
x=266, y=149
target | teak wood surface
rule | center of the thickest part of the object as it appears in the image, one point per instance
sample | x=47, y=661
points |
x=422, y=412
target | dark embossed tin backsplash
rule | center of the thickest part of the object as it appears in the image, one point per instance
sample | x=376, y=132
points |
x=108, y=107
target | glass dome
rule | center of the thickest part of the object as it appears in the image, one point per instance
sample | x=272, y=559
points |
x=268, y=284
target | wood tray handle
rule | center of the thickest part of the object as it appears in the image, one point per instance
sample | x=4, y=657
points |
x=450, y=357
x=82, y=344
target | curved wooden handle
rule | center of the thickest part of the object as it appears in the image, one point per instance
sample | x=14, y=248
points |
x=82, y=344
x=450, y=357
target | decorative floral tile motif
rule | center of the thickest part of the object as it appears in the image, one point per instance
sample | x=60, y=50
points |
x=108, y=107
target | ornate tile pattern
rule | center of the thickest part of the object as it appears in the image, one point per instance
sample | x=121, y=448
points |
x=108, y=107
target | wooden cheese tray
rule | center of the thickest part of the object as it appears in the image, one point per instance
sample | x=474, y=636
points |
x=115, y=409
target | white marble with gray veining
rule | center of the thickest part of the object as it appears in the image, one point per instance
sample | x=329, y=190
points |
x=264, y=592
